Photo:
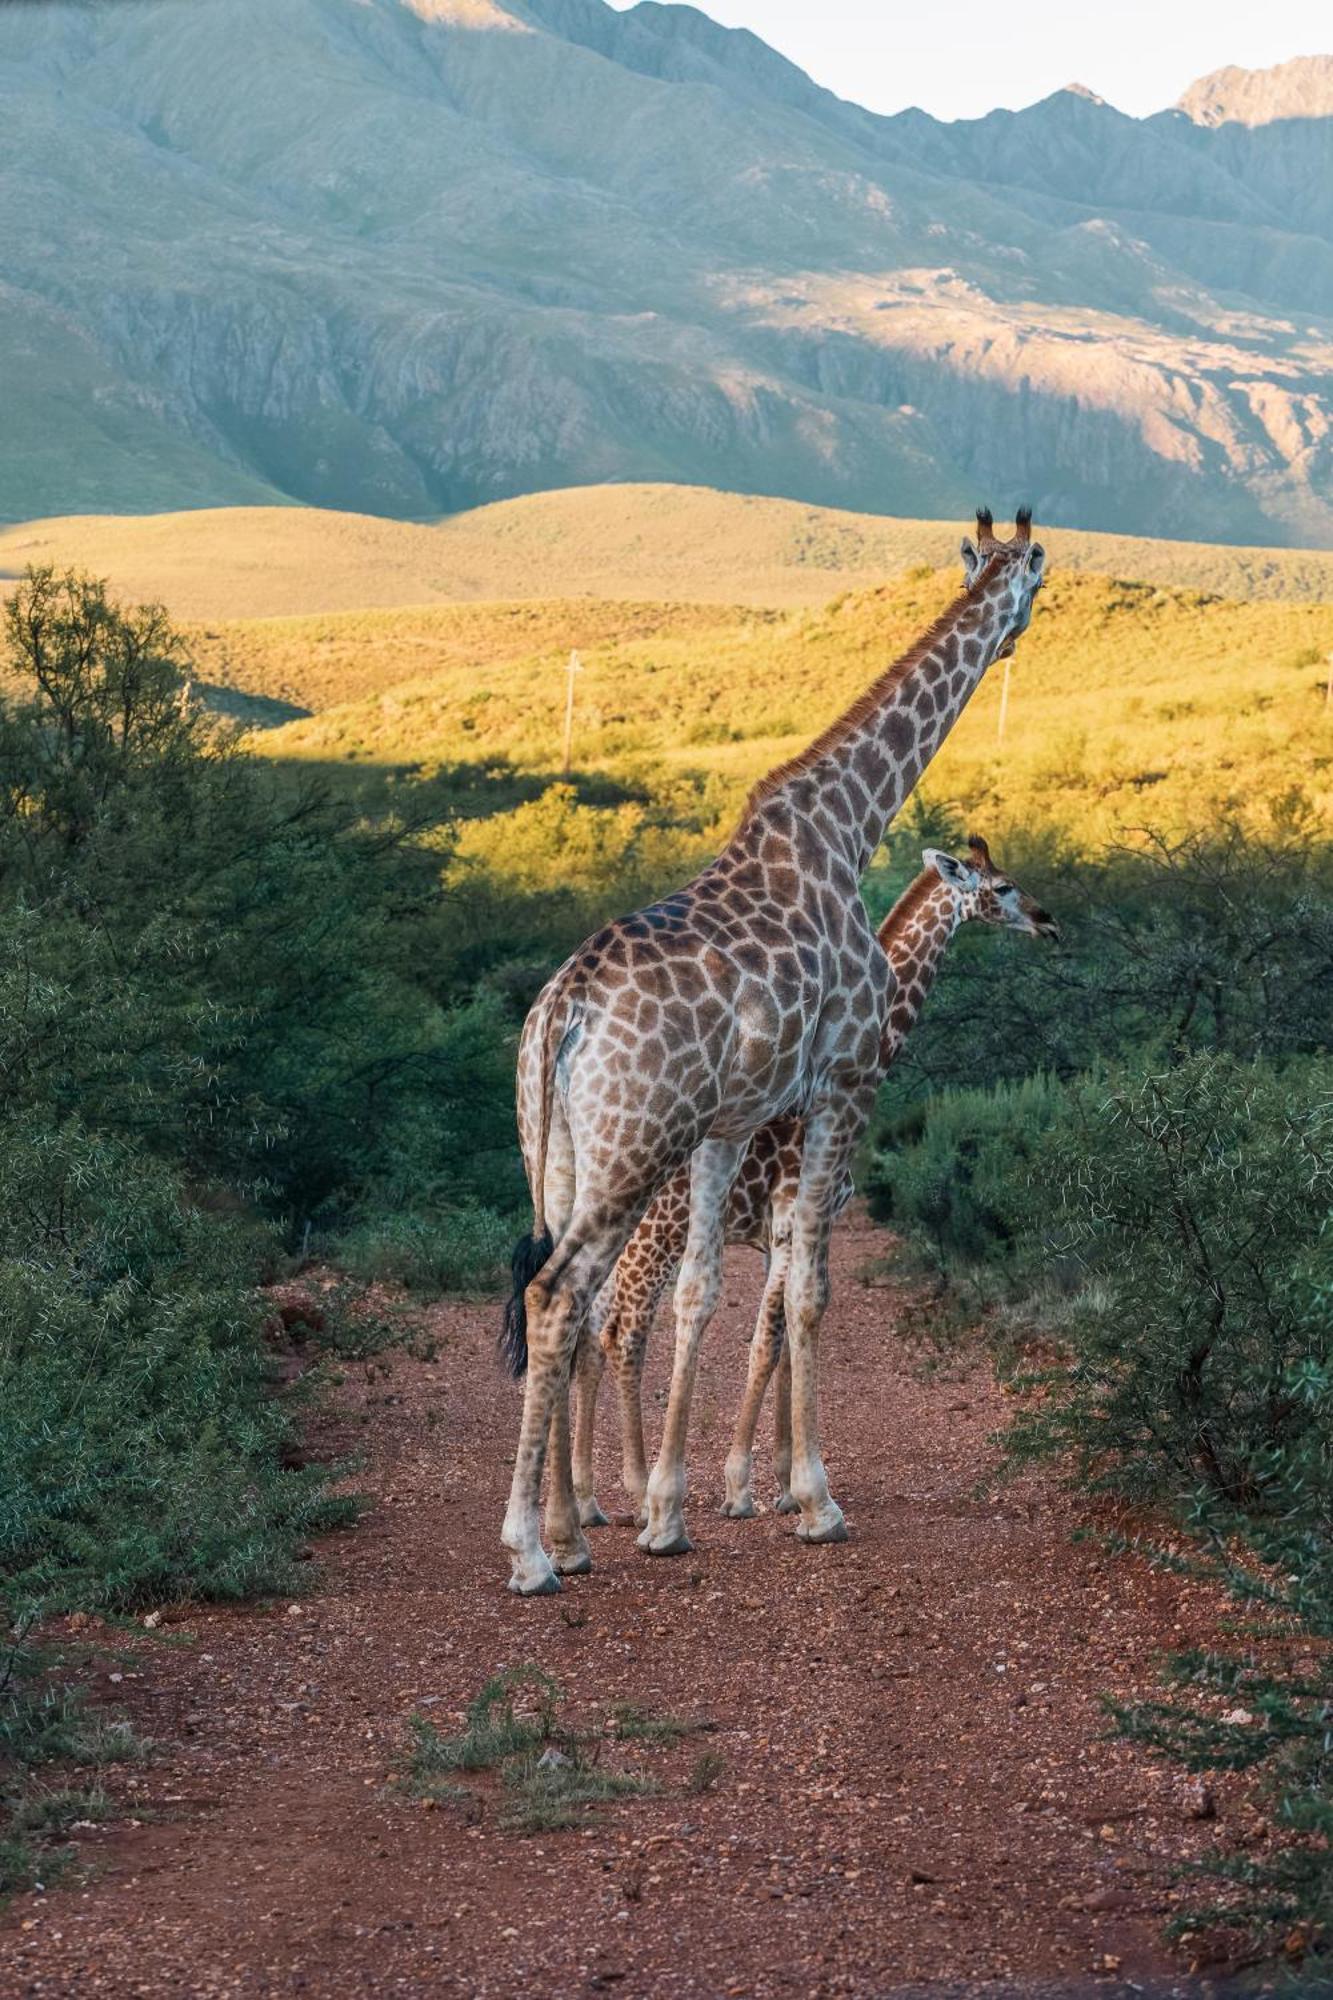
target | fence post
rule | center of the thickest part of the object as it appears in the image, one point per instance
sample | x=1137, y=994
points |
x=575, y=666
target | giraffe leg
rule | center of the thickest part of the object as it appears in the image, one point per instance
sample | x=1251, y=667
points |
x=556, y=1301
x=830, y=1137
x=625, y=1338
x=570, y=1554
x=697, y=1289
x=766, y=1349
x=783, y=1504
x=589, y=1361
x=629, y=1354
x=807, y=1293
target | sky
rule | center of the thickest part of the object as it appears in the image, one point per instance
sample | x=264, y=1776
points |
x=962, y=58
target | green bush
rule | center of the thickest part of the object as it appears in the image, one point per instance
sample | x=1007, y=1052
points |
x=1195, y=1202
x=139, y=1433
x=1267, y=1707
x=219, y=965
x=947, y=1176
x=1185, y=1210
x=465, y=1250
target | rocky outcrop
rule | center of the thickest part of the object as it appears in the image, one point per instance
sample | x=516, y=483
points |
x=1302, y=88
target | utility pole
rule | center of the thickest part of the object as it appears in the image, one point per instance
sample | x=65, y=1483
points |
x=1004, y=703
x=575, y=666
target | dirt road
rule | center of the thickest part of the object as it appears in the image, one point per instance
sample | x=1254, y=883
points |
x=916, y=1792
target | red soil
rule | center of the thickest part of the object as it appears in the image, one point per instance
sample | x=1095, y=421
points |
x=917, y=1792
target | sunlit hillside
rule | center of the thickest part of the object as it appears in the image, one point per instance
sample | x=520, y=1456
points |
x=633, y=541
x=329, y=659
x=717, y=632
x=1128, y=703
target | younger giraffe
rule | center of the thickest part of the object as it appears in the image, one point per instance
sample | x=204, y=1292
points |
x=756, y=991
x=914, y=936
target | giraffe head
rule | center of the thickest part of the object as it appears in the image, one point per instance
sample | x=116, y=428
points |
x=1006, y=576
x=985, y=894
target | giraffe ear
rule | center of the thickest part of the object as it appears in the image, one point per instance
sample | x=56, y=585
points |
x=971, y=561
x=949, y=869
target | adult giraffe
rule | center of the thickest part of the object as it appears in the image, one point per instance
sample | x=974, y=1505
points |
x=676, y=1033
x=950, y=891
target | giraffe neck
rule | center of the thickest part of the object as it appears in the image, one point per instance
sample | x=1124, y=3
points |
x=849, y=784
x=915, y=936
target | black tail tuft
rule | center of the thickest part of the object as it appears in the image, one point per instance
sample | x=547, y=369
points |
x=530, y=1253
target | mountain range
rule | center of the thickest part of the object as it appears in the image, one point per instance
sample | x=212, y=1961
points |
x=405, y=256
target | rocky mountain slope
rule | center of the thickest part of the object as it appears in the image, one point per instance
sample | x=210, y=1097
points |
x=1300, y=89
x=403, y=256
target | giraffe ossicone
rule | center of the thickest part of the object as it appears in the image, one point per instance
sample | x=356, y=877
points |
x=757, y=991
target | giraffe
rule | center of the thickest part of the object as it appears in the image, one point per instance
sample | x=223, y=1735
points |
x=675, y=1033
x=915, y=935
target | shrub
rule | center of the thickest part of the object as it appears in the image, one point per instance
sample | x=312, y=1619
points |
x=947, y=1176
x=1195, y=1200
x=139, y=1431
x=1268, y=1708
x=465, y=1250
x=221, y=966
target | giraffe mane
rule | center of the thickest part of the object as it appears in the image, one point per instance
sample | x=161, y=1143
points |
x=867, y=702
x=918, y=891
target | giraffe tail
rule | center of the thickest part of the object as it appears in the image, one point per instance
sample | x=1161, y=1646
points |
x=530, y=1253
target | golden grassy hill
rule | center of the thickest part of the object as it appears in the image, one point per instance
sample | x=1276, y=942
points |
x=1128, y=704
x=634, y=541
x=332, y=658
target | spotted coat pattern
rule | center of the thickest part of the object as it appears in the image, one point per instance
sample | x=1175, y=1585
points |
x=914, y=937
x=758, y=991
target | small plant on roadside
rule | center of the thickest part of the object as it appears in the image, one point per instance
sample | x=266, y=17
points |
x=708, y=1768
x=552, y=1771
x=45, y=1723
x=426, y=1763
x=631, y=1723
x=55, y=1726
x=493, y=1731
x=553, y=1791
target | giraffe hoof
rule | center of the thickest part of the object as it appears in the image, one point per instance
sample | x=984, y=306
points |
x=784, y=1504
x=577, y=1562
x=540, y=1585
x=742, y=1508
x=829, y=1528
x=591, y=1515
x=674, y=1542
